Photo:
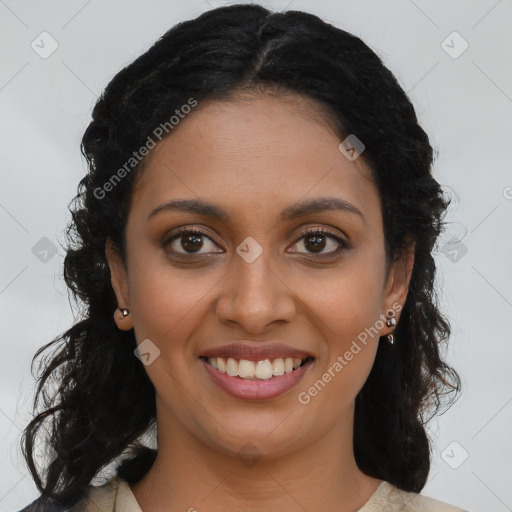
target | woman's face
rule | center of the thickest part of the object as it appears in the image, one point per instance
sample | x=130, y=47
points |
x=248, y=286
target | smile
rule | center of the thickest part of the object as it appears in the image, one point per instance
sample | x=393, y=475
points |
x=264, y=369
x=256, y=380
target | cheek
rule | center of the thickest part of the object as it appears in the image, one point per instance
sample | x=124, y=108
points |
x=347, y=319
x=167, y=302
x=346, y=309
x=346, y=302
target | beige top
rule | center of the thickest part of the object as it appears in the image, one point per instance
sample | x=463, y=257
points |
x=116, y=496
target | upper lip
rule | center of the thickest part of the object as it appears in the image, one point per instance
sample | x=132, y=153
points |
x=257, y=351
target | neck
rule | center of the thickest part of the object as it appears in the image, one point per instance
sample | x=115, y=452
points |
x=191, y=475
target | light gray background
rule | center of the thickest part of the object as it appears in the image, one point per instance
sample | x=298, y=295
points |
x=464, y=104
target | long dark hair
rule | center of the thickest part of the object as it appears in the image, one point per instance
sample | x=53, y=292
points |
x=104, y=401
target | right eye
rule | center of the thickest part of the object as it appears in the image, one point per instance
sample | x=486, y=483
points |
x=189, y=241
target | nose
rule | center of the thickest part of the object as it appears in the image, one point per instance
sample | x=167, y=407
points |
x=254, y=296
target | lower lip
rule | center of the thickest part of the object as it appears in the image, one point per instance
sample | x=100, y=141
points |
x=256, y=389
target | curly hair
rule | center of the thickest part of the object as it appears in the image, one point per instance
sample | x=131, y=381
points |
x=104, y=400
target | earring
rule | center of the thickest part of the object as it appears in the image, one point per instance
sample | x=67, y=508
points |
x=122, y=319
x=391, y=322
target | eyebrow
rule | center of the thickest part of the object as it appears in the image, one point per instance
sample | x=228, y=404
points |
x=318, y=205
x=299, y=209
x=192, y=206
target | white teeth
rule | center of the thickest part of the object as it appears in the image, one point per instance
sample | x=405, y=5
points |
x=232, y=367
x=220, y=363
x=278, y=366
x=246, y=368
x=264, y=369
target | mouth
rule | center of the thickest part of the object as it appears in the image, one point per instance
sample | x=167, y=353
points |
x=263, y=369
x=256, y=380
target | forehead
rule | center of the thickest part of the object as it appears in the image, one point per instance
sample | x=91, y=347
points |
x=254, y=151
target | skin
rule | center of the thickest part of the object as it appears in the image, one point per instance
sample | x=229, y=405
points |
x=254, y=158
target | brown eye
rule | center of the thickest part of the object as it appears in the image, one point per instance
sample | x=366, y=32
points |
x=315, y=243
x=320, y=243
x=191, y=242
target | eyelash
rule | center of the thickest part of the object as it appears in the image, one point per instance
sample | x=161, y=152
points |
x=307, y=233
x=342, y=245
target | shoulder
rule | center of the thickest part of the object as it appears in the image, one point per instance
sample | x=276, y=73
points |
x=97, y=499
x=390, y=498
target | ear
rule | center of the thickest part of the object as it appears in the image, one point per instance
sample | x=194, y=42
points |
x=397, y=283
x=119, y=281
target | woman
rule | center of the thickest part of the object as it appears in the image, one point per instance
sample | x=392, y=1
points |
x=253, y=247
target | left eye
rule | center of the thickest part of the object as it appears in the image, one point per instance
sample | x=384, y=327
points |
x=317, y=240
